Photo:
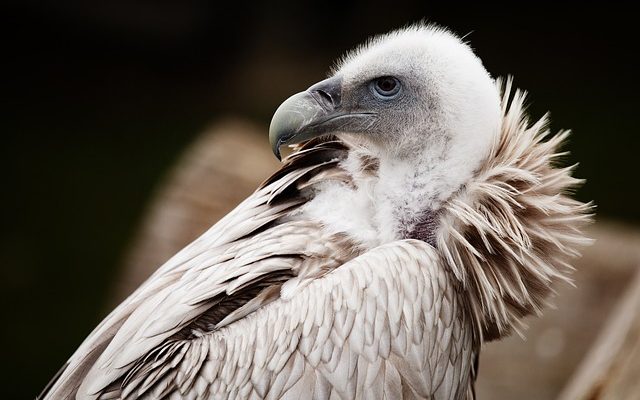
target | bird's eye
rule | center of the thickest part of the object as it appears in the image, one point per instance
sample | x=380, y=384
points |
x=386, y=86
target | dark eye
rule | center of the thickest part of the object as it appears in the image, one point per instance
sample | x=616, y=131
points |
x=386, y=86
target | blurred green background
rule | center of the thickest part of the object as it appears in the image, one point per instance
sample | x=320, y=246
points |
x=99, y=99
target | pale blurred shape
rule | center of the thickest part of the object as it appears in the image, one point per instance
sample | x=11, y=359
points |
x=550, y=343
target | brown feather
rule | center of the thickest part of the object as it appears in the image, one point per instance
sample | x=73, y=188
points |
x=509, y=234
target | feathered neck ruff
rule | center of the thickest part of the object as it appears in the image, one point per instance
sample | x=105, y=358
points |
x=508, y=234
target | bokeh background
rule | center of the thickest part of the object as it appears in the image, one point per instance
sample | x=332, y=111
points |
x=99, y=99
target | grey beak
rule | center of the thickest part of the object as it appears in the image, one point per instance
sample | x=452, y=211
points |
x=307, y=114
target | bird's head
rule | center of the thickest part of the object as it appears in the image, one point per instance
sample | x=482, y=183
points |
x=421, y=102
x=419, y=91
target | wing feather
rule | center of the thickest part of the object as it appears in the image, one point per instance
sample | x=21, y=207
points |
x=334, y=338
x=265, y=304
x=227, y=273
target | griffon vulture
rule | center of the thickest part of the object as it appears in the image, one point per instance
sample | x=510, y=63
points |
x=419, y=215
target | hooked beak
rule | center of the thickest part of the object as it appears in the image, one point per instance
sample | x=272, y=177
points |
x=314, y=112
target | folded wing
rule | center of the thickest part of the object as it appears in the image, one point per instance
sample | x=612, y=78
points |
x=385, y=325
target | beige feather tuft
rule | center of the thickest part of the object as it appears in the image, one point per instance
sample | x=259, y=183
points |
x=509, y=235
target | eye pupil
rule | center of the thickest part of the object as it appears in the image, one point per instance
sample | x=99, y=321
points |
x=386, y=86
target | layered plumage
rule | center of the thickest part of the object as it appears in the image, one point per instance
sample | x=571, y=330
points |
x=373, y=264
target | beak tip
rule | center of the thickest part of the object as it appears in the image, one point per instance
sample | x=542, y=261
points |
x=293, y=121
x=276, y=143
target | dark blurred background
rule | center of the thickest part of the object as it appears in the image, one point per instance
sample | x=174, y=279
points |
x=99, y=98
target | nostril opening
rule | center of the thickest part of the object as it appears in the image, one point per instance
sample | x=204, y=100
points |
x=327, y=93
x=325, y=96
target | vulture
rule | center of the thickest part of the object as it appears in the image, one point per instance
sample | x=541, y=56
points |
x=418, y=215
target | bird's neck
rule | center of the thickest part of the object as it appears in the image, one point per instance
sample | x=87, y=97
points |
x=391, y=198
x=410, y=191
